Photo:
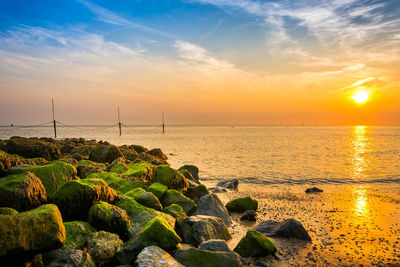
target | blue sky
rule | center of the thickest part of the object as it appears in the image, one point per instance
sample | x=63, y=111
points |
x=237, y=57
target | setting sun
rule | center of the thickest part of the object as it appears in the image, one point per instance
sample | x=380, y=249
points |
x=361, y=96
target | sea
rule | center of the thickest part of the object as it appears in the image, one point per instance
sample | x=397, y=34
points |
x=273, y=155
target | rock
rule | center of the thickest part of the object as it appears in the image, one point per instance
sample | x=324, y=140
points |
x=218, y=189
x=31, y=232
x=171, y=178
x=255, y=244
x=154, y=256
x=138, y=148
x=199, y=228
x=214, y=245
x=110, y=218
x=249, y=215
x=7, y=211
x=157, y=189
x=76, y=233
x=242, y=204
x=230, y=184
x=120, y=160
x=314, y=190
x=129, y=154
x=194, y=257
x=140, y=215
x=172, y=196
x=146, y=157
x=8, y=160
x=176, y=211
x=145, y=198
x=157, y=232
x=33, y=148
x=120, y=185
x=289, y=228
x=260, y=264
x=142, y=172
x=193, y=170
x=71, y=161
x=22, y=191
x=195, y=193
x=87, y=167
x=53, y=174
x=211, y=205
x=156, y=152
x=61, y=257
x=76, y=197
x=105, y=154
x=77, y=156
x=103, y=247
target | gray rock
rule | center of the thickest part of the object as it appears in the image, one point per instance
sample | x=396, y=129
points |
x=214, y=245
x=103, y=247
x=289, y=228
x=154, y=256
x=194, y=171
x=266, y=227
x=60, y=257
x=260, y=263
x=218, y=189
x=230, y=184
x=194, y=257
x=211, y=205
x=314, y=190
x=199, y=228
x=249, y=215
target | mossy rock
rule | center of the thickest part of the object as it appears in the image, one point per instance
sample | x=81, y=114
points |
x=60, y=257
x=255, y=244
x=242, y=204
x=120, y=160
x=171, y=178
x=196, y=192
x=138, y=148
x=105, y=154
x=31, y=161
x=8, y=160
x=31, y=232
x=157, y=232
x=141, y=171
x=194, y=257
x=156, y=152
x=172, y=196
x=87, y=167
x=103, y=247
x=193, y=170
x=77, y=233
x=119, y=168
x=145, y=198
x=23, y=191
x=157, y=189
x=53, y=174
x=187, y=174
x=176, y=211
x=33, y=148
x=120, y=185
x=109, y=218
x=7, y=211
x=76, y=197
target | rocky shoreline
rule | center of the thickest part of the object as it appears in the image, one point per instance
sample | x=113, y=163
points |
x=76, y=202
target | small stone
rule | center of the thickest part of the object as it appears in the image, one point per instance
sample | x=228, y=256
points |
x=249, y=215
x=314, y=190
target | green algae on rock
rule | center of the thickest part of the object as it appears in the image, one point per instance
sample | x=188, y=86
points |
x=145, y=198
x=255, y=244
x=7, y=211
x=157, y=189
x=77, y=233
x=242, y=204
x=193, y=170
x=171, y=178
x=23, y=191
x=172, y=196
x=33, y=147
x=105, y=154
x=87, y=167
x=176, y=211
x=119, y=184
x=195, y=257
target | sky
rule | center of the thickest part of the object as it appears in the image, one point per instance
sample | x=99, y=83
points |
x=242, y=62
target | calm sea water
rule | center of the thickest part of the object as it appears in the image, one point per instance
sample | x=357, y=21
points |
x=262, y=154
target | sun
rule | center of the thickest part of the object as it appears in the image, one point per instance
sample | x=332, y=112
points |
x=361, y=96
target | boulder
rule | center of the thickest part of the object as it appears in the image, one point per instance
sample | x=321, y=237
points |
x=230, y=184
x=176, y=211
x=129, y=154
x=249, y=215
x=193, y=170
x=120, y=160
x=22, y=191
x=187, y=175
x=77, y=156
x=33, y=148
x=196, y=192
x=53, y=174
x=110, y=218
x=199, y=228
x=255, y=244
x=214, y=245
x=157, y=232
x=289, y=228
x=157, y=189
x=7, y=211
x=71, y=161
x=154, y=256
x=61, y=257
x=8, y=160
x=31, y=232
x=172, y=196
x=146, y=157
x=171, y=178
x=105, y=154
x=76, y=197
x=120, y=185
x=242, y=204
x=87, y=167
x=138, y=148
x=211, y=205
x=156, y=152
x=76, y=233
x=193, y=257
x=314, y=190
x=145, y=198
x=218, y=189
x=142, y=172
x=103, y=247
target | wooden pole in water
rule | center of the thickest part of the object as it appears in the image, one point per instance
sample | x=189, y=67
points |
x=163, y=126
x=54, y=120
x=119, y=124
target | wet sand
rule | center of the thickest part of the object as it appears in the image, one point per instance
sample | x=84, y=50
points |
x=349, y=225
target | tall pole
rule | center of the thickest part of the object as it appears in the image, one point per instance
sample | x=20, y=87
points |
x=163, y=126
x=119, y=124
x=54, y=120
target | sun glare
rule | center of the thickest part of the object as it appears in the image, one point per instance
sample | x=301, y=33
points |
x=361, y=96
